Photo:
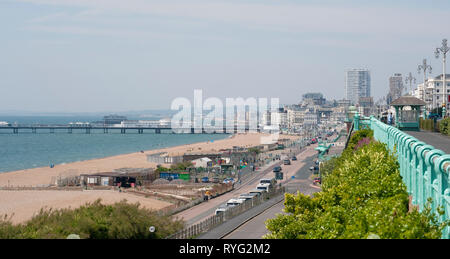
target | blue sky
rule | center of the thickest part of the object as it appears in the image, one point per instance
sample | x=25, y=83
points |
x=102, y=55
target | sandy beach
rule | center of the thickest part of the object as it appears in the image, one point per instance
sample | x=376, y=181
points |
x=43, y=175
x=26, y=203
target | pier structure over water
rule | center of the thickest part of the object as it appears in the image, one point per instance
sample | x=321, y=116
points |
x=16, y=128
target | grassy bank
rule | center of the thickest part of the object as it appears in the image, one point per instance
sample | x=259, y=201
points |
x=121, y=220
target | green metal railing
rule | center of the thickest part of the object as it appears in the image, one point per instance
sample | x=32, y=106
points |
x=424, y=169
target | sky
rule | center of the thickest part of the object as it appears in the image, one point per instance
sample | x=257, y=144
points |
x=117, y=55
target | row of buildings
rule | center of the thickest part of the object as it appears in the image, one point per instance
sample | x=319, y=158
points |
x=430, y=91
x=313, y=112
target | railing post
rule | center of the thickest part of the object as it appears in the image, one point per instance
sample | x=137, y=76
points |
x=431, y=174
x=407, y=163
x=442, y=168
x=423, y=176
x=415, y=171
x=356, y=122
x=446, y=231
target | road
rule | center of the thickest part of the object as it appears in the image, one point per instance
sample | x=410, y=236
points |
x=206, y=209
x=255, y=228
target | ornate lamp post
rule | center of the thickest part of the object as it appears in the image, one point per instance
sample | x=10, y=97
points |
x=424, y=67
x=443, y=50
x=410, y=79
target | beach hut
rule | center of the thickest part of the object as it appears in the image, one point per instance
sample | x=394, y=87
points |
x=108, y=179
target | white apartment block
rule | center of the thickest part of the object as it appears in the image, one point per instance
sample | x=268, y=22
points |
x=433, y=93
x=357, y=84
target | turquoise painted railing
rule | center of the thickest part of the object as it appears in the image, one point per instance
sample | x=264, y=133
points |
x=424, y=169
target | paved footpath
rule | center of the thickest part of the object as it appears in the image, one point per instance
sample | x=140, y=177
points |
x=436, y=139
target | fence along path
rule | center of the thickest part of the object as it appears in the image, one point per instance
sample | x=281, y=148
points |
x=425, y=170
x=215, y=220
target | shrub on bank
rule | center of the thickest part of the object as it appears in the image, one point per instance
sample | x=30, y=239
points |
x=357, y=137
x=444, y=126
x=362, y=195
x=121, y=220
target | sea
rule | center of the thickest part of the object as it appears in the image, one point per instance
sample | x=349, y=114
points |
x=27, y=150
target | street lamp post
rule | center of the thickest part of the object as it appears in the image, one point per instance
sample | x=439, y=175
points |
x=410, y=79
x=424, y=67
x=443, y=50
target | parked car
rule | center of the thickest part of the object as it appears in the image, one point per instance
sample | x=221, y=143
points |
x=229, y=180
x=294, y=158
x=287, y=162
x=215, y=180
x=205, y=180
x=277, y=169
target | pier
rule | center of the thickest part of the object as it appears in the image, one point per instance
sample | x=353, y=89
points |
x=34, y=128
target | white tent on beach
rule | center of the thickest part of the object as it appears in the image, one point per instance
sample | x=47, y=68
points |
x=201, y=162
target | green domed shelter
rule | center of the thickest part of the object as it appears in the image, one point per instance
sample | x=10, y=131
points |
x=407, y=110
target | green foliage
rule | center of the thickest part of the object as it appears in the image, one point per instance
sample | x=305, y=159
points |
x=357, y=137
x=444, y=126
x=93, y=221
x=254, y=150
x=162, y=169
x=181, y=166
x=362, y=196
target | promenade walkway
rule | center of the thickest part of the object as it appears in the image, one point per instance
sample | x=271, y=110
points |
x=437, y=140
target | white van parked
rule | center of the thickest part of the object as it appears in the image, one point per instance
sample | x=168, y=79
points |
x=247, y=196
x=257, y=191
x=222, y=209
x=235, y=202
x=272, y=181
x=263, y=186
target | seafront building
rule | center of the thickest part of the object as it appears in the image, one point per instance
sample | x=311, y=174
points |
x=432, y=93
x=365, y=106
x=395, y=88
x=357, y=84
x=314, y=98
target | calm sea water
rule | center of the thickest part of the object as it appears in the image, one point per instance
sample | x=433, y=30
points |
x=27, y=150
